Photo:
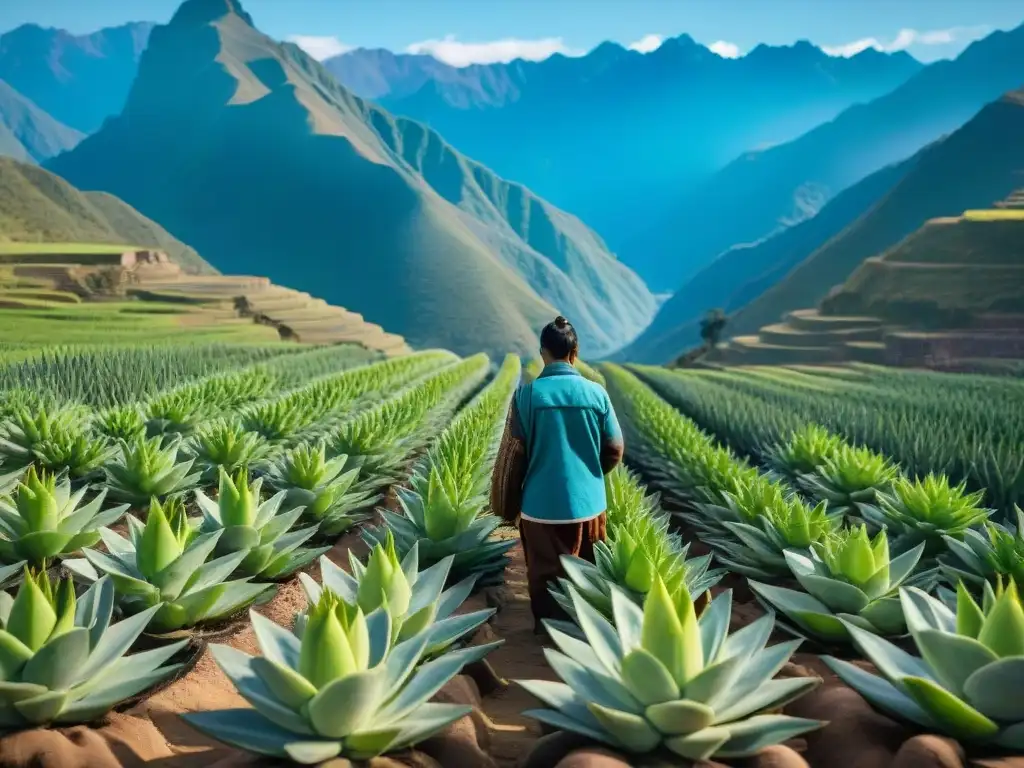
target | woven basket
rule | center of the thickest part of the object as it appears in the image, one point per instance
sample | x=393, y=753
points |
x=508, y=476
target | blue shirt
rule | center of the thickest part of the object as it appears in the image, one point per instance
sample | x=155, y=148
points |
x=565, y=420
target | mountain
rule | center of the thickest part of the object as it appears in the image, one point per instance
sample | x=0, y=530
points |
x=38, y=207
x=762, y=191
x=973, y=168
x=78, y=79
x=744, y=272
x=376, y=73
x=610, y=135
x=251, y=151
x=27, y=132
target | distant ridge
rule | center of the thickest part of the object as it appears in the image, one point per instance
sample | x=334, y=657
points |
x=80, y=80
x=788, y=183
x=612, y=135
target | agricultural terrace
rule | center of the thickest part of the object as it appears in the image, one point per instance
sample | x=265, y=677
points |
x=287, y=550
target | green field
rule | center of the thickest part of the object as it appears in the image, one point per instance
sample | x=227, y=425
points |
x=71, y=249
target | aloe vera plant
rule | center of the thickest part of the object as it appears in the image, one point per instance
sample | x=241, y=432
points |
x=43, y=519
x=996, y=551
x=850, y=577
x=762, y=520
x=261, y=530
x=416, y=600
x=444, y=509
x=339, y=686
x=660, y=678
x=164, y=564
x=121, y=423
x=73, y=450
x=850, y=479
x=926, y=511
x=638, y=549
x=966, y=681
x=804, y=451
x=434, y=520
x=321, y=486
x=63, y=661
x=225, y=444
x=149, y=468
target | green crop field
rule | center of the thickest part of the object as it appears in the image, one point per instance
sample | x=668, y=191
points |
x=182, y=483
x=67, y=249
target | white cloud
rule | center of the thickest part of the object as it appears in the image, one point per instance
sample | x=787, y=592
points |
x=318, y=47
x=725, y=49
x=906, y=38
x=647, y=43
x=459, y=54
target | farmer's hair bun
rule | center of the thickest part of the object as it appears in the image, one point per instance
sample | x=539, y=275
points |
x=561, y=322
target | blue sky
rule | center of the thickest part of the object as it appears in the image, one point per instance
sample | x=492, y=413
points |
x=467, y=31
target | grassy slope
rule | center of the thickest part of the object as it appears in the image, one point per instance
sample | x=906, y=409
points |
x=38, y=207
x=973, y=168
x=741, y=274
x=29, y=133
x=759, y=191
x=269, y=167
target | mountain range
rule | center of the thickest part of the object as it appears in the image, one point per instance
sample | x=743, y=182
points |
x=27, y=132
x=785, y=184
x=251, y=152
x=79, y=80
x=976, y=166
x=614, y=135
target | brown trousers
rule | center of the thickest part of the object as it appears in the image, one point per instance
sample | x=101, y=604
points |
x=543, y=545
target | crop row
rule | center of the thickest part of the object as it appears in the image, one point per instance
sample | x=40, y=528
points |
x=968, y=428
x=173, y=575
x=935, y=567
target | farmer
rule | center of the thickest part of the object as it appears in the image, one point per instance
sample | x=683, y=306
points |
x=561, y=439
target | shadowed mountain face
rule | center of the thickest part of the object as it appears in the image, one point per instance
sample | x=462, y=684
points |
x=741, y=274
x=975, y=167
x=27, y=132
x=797, y=268
x=763, y=191
x=251, y=152
x=38, y=207
x=78, y=79
x=608, y=135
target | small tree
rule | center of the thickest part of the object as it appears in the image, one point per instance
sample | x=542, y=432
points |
x=711, y=327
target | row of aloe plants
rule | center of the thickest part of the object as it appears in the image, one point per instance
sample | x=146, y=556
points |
x=443, y=507
x=239, y=412
x=185, y=562
x=173, y=569
x=847, y=589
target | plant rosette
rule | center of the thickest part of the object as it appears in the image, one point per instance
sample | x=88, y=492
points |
x=416, y=600
x=261, y=530
x=43, y=520
x=847, y=579
x=967, y=681
x=337, y=685
x=658, y=679
x=928, y=511
x=164, y=563
x=62, y=661
x=994, y=552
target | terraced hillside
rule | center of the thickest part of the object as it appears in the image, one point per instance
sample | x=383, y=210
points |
x=951, y=292
x=90, y=294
